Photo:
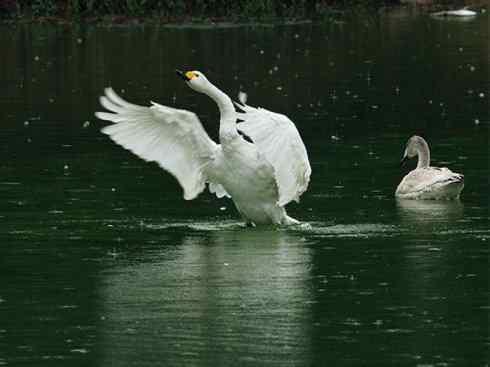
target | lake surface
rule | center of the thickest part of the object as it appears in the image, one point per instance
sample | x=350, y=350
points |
x=102, y=262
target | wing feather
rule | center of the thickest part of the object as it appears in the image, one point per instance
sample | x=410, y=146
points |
x=425, y=179
x=173, y=138
x=278, y=140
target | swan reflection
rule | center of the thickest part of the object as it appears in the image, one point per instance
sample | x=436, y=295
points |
x=212, y=296
x=425, y=212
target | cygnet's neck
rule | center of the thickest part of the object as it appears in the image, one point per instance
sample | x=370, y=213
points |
x=227, y=128
x=423, y=154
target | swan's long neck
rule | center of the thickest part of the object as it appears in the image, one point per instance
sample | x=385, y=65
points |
x=227, y=127
x=423, y=154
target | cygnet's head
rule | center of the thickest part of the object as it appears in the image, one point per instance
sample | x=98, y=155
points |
x=195, y=79
x=414, y=145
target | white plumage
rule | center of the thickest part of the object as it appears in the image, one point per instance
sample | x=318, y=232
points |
x=260, y=177
x=464, y=12
x=425, y=182
x=277, y=139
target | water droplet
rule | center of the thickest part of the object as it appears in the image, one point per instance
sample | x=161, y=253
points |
x=86, y=124
x=26, y=123
x=222, y=208
x=36, y=58
x=113, y=189
x=65, y=167
x=482, y=95
x=79, y=350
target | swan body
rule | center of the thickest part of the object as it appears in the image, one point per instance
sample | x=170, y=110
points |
x=456, y=13
x=261, y=176
x=425, y=182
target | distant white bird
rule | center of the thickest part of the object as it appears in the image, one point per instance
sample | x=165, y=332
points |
x=427, y=182
x=261, y=163
x=464, y=12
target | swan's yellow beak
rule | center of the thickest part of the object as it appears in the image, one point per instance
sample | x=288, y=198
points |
x=190, y=75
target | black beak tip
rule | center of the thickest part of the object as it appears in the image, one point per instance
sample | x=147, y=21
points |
x=181, y=74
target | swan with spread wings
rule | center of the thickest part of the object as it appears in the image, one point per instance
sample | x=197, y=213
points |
x=261, y=162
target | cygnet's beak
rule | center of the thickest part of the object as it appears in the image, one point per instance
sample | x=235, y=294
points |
x=182, y=75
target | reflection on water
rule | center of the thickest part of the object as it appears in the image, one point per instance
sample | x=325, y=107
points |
x=232, y=296
x=428, y=211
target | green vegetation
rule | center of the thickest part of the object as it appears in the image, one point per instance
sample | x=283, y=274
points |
x=174, y=10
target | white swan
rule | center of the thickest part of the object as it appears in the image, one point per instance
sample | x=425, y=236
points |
x=464, y=12
x=261, y=176
x=427, y=182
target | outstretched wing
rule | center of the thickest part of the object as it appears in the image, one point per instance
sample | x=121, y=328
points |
x=278, y=140
x=173, y=138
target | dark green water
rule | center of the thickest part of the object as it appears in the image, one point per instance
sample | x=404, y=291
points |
x=102, y=263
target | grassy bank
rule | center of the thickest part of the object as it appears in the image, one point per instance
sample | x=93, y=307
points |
x=72, y=10
x=184, y=10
